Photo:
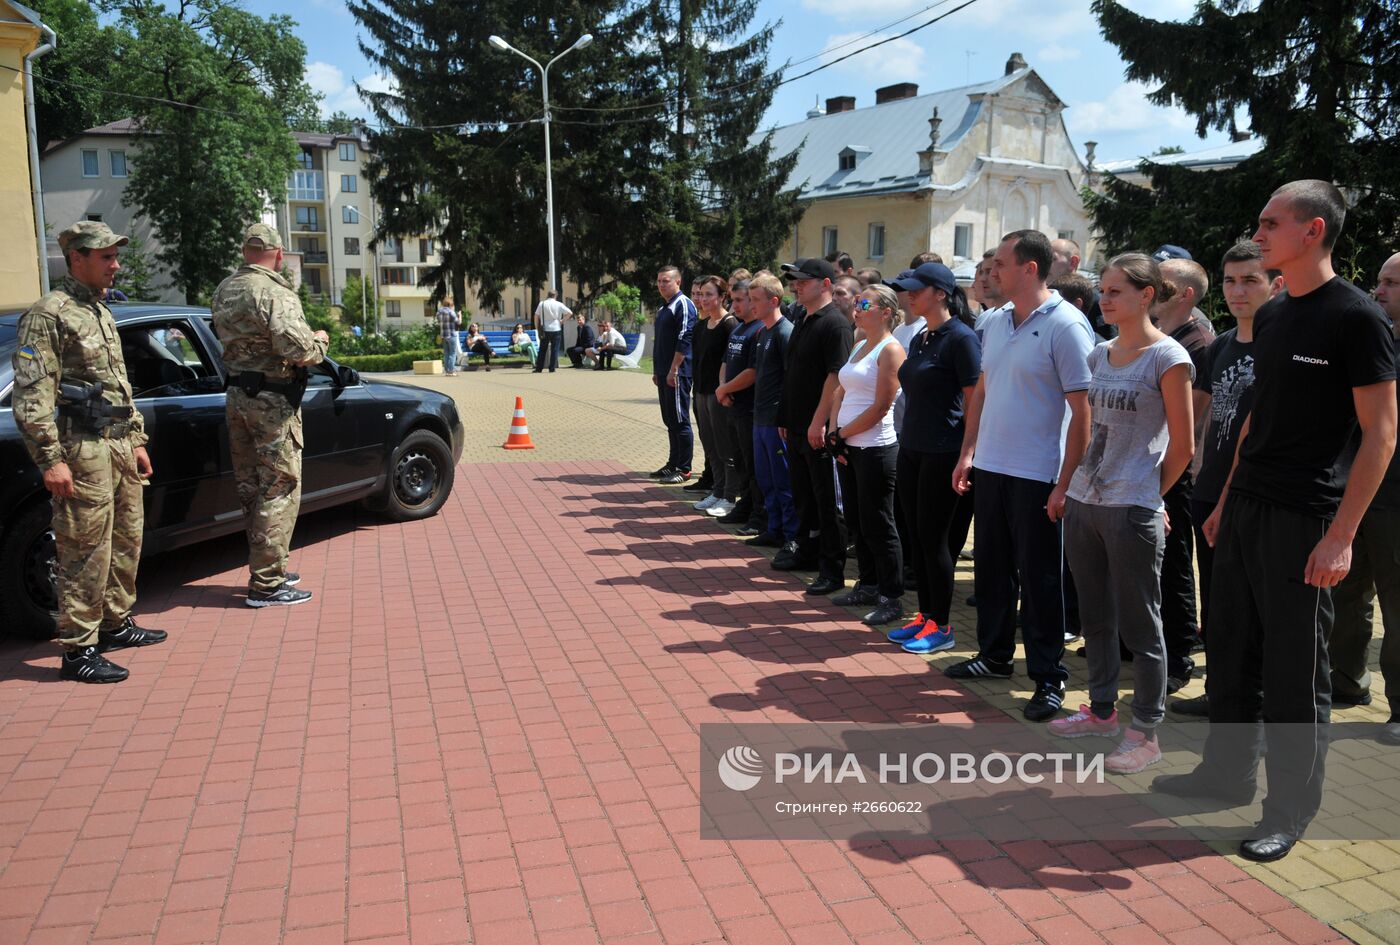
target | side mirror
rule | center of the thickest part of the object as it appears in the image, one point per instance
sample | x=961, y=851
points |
x=346, y=376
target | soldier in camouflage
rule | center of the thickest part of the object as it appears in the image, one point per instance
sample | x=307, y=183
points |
x=92, y=455
x=267, y=347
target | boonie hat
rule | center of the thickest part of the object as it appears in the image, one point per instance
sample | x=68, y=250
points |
x=89, y=234
x=815, y=268
x=930, y=275
x=1168, y=251
x=263, y=235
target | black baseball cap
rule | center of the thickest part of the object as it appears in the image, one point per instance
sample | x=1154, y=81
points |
x=814, y=268
x=930, y=275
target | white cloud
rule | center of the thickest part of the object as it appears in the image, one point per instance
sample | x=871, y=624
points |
x=897, y=61
x=339, y=94
x=1126, y=110
x=1056, y=52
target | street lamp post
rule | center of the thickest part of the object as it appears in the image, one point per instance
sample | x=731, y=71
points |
x=503, y=46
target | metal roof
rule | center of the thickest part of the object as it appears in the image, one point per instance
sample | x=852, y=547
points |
x=1222, y=155
x=894, y=132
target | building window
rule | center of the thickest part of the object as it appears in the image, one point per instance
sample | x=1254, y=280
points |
x=962, y=240
x=829, y=240
x=352, y=274
x=118, y=161
x=95, y=217
x=349, y=214
x=347, y=150
x=396, y=275
x=393, y=308
x=313, y=280
x=352, y=246
x=305, y=160
x=308, y=218
x=846, y=162
x=425, y=248
x=90, y=168
x=349, y=183
x=1066, y=235
x=877, y=241
x=517, y=307
x=429, y=309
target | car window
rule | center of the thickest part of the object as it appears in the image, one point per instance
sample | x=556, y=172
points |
x=166, y=359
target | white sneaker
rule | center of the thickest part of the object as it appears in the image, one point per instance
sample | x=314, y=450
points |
x=705, y=504
x=722, y=507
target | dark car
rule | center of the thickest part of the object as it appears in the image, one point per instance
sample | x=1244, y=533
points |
x=391, y=446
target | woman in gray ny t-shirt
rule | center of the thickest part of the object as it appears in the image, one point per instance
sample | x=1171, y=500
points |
x=1140, y=442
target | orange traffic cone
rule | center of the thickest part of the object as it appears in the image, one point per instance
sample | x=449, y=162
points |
x=519, y=438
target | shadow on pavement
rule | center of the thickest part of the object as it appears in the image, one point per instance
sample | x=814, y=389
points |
x=817, y=695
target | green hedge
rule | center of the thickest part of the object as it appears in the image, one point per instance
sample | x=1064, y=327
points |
x=402, y=361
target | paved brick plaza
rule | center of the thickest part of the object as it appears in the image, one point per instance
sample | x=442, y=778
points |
x=485, y=731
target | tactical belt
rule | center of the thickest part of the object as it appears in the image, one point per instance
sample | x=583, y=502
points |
x=253, y=383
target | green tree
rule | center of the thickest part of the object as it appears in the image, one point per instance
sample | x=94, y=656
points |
x=222, y=88
x=1317, y=82
x=69, y=92
x=623, y=304
x=137, y=276
x=358, y=305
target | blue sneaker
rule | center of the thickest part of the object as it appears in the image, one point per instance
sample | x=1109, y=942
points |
x=908, y=631
x=931, y=639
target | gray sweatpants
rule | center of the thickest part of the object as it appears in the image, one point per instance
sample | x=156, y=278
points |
x=1115, y=553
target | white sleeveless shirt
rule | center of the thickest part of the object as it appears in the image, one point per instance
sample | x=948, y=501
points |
x=858, y=378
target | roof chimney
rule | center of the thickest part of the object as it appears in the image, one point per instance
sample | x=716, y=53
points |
x=891, y=93
x=1017, y=61
x=841, y=103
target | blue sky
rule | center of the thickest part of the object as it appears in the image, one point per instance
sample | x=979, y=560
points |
x=1059, y=38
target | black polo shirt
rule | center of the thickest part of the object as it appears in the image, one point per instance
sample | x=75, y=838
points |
x=818, y=347
x=940, y=364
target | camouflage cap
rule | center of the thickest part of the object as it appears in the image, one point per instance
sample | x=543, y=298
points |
x=89, y=234
x=263, y=235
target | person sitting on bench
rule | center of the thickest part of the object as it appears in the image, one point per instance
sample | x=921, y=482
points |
x=609, y=342
x=582, y=342
x=520, y=343
x=476, y=343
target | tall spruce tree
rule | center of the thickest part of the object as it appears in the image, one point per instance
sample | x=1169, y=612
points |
x=714, y=197
x=1318, y=81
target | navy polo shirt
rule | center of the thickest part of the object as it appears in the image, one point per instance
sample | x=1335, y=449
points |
x=940, y=364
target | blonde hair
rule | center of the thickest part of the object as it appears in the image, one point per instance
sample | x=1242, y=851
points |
x=887, y=300
x=768, y=284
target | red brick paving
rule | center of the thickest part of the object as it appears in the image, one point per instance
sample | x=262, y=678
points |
x=484, y=731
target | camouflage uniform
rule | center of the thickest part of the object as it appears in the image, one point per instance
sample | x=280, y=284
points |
x=70, y=337
x=258, y=318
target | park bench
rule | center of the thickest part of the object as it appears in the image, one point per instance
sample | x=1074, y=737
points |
x=499, y=340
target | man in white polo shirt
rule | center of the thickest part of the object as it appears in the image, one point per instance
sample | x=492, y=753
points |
x=549, y=316
x=1035, y=369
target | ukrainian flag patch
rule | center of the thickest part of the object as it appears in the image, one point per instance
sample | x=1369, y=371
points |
x=28, y=353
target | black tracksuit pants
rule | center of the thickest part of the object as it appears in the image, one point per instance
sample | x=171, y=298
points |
x=930, y=507
x=1179, y=627
x=814, y=496
x=867, y=490
x=1270, y=679
x=1019, y=549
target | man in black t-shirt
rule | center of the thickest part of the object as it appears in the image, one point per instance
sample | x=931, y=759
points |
x=735, y=395
x=1324, y=363
x=1221, y=400
x=820, y=345
x=1375, y=572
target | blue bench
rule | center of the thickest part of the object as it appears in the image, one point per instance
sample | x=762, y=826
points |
x=499, y=340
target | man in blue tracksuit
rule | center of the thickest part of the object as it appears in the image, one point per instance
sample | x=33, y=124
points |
x=675, y=323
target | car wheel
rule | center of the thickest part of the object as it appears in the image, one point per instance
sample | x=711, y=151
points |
x=28, y=590
x=420, y=477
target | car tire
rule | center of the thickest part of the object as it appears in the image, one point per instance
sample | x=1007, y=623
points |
x=419, y=480
x=28, y=606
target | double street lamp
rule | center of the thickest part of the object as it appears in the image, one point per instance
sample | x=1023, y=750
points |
x=503, y=46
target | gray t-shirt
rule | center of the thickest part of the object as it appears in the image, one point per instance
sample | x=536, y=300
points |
x=1129, y=434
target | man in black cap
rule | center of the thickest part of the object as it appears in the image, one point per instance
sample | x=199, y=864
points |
x=815, y=353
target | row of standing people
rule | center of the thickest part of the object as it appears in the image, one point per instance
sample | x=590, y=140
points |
x=1081, y=455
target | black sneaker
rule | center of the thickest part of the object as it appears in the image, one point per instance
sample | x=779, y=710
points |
x=750, y=531
x=279, y=596
x=90, y=666
x=1182, y=676
x=291, y=579
x=737, y=515
x=126, y=635
x=1198, y=707
x=766, y=540
x=979, y=667
x=1046, y=702
x=676, y=477
x=703, y=484
x=889, y=611
x=1351, y=701
x=661, y=473
x=857, y=596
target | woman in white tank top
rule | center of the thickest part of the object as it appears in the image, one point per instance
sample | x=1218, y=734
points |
x=863, y=442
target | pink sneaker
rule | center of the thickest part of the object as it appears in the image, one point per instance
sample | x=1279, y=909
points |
x=1085, y=722
x=1134, y=753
